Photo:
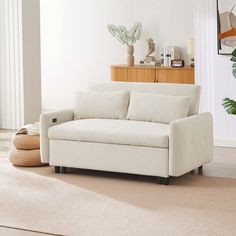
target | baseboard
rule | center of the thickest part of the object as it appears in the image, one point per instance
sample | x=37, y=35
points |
x=231, y=143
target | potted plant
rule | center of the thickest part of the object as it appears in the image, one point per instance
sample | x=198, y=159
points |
x=230, y=104
x=127, y=37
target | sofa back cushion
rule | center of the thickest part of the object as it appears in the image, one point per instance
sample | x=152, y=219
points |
x=104, y=105
x=190, y=90
x=157, y=108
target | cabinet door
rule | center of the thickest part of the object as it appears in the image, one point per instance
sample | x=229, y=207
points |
x=189, y=77
x=180, y=76
x=183, y=76
x=164, y=76
x=147, y=75
x=131, y=75
x=118, y=74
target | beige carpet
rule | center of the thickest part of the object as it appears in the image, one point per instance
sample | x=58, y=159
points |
x=91, y=203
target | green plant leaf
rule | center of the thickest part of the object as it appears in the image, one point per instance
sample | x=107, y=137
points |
x=135, y=32
x=233, y=59
x=229, y=105
x=234, y=72
x=124, y=36
x=234, y=53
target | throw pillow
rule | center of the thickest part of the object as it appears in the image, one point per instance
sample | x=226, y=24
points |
x=157, y=108
x=106, y=105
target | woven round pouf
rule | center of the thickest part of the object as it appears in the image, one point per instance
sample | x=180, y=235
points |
x=26, y=142
x=27, y=158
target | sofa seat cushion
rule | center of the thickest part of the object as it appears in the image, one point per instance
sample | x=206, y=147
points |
x=124, y=132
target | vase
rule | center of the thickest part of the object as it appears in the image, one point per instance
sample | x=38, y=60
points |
x=130, y=57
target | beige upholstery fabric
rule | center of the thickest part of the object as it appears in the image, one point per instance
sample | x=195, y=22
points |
x=189, y=90
x=26, y=142
x=47, y=120
x=107, y=105
x=157, y=108
x=110, y=157
x=191, y=143
x=25, y=158
x=113, y=131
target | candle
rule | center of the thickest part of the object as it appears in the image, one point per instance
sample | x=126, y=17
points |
x=190, y=46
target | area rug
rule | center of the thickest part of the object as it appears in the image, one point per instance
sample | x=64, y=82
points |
x=92, y=203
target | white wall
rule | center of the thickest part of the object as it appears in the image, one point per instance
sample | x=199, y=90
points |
x=76, y=46
x=214, y=73
x=31, y=60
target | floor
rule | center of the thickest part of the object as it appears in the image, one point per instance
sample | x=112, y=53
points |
x=6, y=231
x=5, y=141
x=5, y=146
x=223, y=165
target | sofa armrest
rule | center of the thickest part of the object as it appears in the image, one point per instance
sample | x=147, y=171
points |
x=190, y=143
x=47, y=120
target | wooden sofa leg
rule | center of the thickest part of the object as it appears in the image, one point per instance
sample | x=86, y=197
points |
x=57, y=169
x=63, y=170
x=164, y=181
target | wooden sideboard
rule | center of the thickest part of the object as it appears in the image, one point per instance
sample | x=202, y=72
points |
x=150, y=74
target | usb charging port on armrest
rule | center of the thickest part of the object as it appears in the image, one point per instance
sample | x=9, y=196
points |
x=54, y=120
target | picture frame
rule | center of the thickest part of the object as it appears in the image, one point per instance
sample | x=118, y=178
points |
x=226, y=26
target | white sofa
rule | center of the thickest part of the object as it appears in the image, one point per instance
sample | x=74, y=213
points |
x=136, y=147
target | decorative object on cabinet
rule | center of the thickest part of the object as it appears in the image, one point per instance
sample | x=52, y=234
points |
x=150, y=58
x=226, y=26
x=168, y=54
x=177, y=63
x=127, y=37
x=190, y=50
x=152, y=74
